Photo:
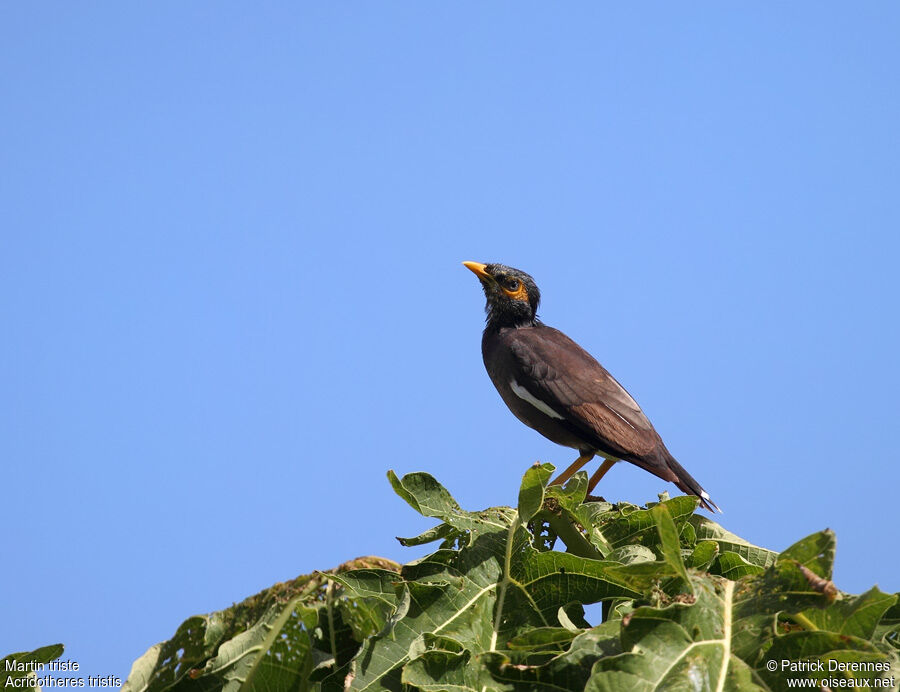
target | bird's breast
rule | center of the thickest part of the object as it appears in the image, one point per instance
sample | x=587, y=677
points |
x=537, y=414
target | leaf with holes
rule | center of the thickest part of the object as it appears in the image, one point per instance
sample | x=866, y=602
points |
x=500, y=606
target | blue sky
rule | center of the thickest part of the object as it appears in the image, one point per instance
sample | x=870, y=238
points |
x=232, y=292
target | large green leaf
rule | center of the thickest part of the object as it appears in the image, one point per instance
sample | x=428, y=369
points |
x=726, y=638
x=500, y=606
x=480, y=595
x=531, y=492
x=683, y=646
x=568, y=670
x=24, y=669
x=442, y=663
x=707, y=530
x=274, y=640
x=815, y=552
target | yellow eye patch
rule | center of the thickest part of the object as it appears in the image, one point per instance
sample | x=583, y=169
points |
x=519, y=294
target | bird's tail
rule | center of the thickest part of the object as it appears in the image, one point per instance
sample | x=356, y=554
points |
x=688, y=484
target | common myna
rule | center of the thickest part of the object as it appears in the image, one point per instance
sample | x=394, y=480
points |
x=556, y=387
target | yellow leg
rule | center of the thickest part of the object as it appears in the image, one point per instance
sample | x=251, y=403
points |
x=569, y=472
x=599, y=473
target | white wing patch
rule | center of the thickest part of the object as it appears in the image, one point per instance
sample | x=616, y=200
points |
x=623, y=418
x=525, y=395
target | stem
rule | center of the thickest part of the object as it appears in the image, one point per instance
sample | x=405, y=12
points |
x=501, y=592
x=804, y=622
x=329, y=591
x=575, y=541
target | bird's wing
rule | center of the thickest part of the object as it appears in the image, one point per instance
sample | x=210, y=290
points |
x=558, y=372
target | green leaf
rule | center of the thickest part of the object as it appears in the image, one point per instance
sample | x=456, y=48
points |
x=252, y=659
x=379, y=584
x=424, y=494
x=856, y=616
x=543, y=582
x=573, y=493
x=703, y=555
x=690, y=645
x=276, y=639
x=887, y=632
x=482, y=612
x=628, y=554
x=668, y=539
x=569, y=670
x=825, y=647
x=542, y=638
x=483, y=594
x=16, y=668
x=454, y=600
x=641, y=577
x=439, y=532
x=732, y=566
x=688, y=535
x=446, y=665
x=431, y=499
x=708, y=530
x=815, y=552
x=531, y=493
x=364, y=613
x=629, y=525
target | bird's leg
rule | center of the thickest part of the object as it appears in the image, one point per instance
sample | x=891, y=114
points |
x=577, y=464
x=599, y=473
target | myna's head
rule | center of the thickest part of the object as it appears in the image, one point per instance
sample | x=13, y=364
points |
x=512, y=296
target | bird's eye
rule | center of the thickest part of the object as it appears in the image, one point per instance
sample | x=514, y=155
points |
x=512, y=284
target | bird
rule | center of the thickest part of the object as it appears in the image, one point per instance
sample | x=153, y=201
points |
x=554, y=386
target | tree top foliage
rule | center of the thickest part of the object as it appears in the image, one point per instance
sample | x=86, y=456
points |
x=499, y=606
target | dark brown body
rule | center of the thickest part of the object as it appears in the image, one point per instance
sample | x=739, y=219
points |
x=556, y=387
x=541, y=360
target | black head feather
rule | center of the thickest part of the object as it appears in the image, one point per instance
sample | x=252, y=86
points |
x=512, y=297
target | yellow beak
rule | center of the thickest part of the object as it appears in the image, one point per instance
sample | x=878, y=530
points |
x=478, y=268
